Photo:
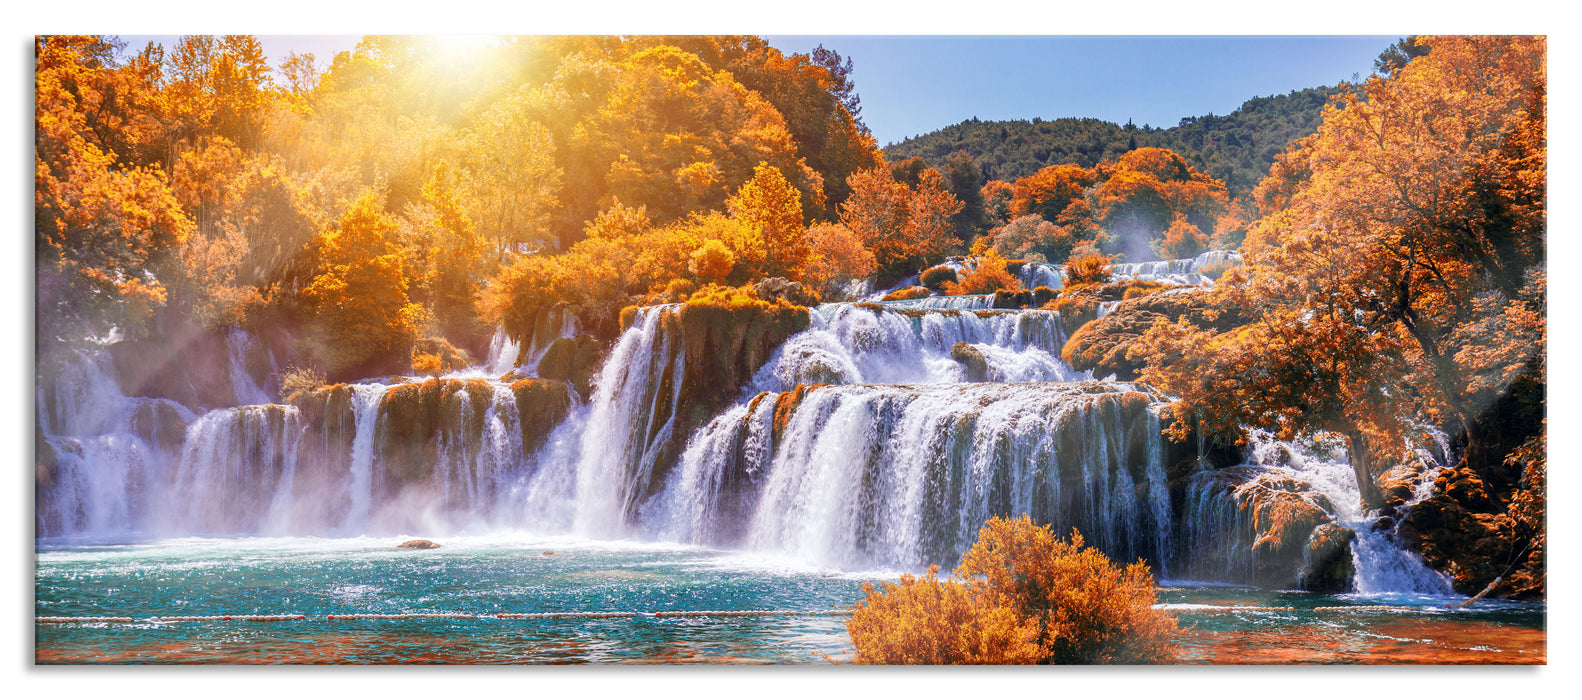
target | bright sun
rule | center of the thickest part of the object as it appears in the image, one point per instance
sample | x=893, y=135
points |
x=460, y=47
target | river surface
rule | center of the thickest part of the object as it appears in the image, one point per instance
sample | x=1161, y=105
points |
x=483, y=577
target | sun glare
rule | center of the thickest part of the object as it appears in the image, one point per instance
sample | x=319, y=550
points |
x=460, y=48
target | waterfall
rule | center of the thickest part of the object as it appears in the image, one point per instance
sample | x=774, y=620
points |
x=359, y=478
x=882, y=435
x=1183, y=271
x=502, y=353
x=597, y=463
x=1221, y=541
x=905, y=475
x=236, y=470
x=238, y=343
x=107, y=451
x=855, y=344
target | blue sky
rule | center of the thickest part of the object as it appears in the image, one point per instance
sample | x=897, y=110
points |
x=911, y=85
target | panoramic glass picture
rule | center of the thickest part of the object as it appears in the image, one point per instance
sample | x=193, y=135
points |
x=746, y=350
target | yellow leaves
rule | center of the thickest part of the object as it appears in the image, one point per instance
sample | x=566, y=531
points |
x=1020, y=595
x=983, y=275
x=711, y=262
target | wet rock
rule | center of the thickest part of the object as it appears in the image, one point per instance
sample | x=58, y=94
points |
x=1473, y=535
x=418, y=544
x=772, y=289
x=1326, y=563
x=574, y=360
x=541, y=405
x=972, y=360
x=160, y=423
x=1020, y=299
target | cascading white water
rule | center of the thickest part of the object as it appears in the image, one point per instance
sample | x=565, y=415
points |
x=1183, y=271
x=106, y=446
x=236, y=469
x=359, y=479
x=904, y=475
x=238, y=343
x=1218, y=520
x=588, y=475
x=502, y=353
x=851, y=344
x=896, y=465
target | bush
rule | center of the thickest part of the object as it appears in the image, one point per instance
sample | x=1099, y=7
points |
x=935, y=277
x=297, y=381
x=906, y=293
x=984, y=275
x=1020, y=595
x=1091, y=268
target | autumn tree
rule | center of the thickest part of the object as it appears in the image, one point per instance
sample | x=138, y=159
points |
x=1020, y=595
x=906, y=228
x=711, y=262
x=357, y=303
x=1030, y=237
x=1141, y=194
x=513, y=180
x=836, y=259
x=984, y=274
x=768, y=206
x=103, y=226
x=1048, y=192
x=1401, y=275
x=997, y=196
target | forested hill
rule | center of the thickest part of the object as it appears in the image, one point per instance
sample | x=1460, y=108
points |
x=1236, y=148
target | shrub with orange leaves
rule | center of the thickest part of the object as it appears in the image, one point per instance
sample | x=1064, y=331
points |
x=936, y=277
x=1181, y=240
x=906, y=294
x=1020, y=595
x=929, y=621
x=1090, y=268
x=983, y=275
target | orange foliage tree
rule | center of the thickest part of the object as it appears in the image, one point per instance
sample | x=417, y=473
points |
x=357, y=303
x=1020, y=595
x=837, y=259
x=1049, y=191
x=1181, y=240
x=767, y=205
x=1088, y=268
x=1144, y=191
x=906, y=228
x=1400, y=275
x=103, y=222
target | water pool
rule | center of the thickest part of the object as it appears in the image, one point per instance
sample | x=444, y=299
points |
x=483, y=577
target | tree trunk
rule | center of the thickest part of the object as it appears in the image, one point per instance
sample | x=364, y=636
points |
x=1372, y=498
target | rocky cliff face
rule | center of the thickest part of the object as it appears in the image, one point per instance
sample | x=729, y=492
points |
x=1474, y=532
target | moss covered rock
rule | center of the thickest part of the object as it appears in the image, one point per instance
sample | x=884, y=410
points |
x=1101, y=344
x=1326, y=562
x=972, y=360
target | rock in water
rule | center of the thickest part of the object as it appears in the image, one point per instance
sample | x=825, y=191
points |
x=418, y=544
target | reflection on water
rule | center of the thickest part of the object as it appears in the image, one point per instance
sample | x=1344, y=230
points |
x=486, y=576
